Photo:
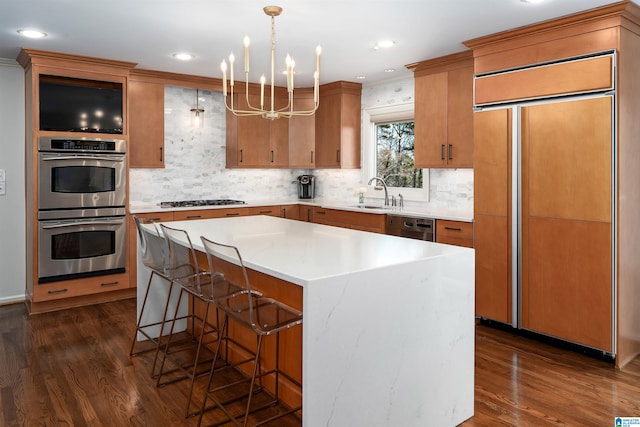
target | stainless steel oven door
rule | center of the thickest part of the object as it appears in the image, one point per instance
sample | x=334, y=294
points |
x=81, y=247
x=79, y=180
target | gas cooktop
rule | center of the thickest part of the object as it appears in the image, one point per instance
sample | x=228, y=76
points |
x=190, y=203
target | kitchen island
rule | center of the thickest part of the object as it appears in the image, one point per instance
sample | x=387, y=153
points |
x=388, y=330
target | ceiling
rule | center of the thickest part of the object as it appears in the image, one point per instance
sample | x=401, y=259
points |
x=149, y=32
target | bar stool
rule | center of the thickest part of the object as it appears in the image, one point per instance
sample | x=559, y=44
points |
x=154, y=256
x=208, y=287
x=263, y=316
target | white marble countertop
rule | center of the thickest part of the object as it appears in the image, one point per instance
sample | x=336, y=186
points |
x=412, y=211
x=302, y=252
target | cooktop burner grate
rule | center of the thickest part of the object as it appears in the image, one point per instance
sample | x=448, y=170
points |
x=190, y=203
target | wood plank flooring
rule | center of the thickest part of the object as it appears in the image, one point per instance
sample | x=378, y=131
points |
x=72, y=368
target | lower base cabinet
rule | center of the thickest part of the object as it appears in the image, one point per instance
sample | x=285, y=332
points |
x=457, y=233
x=363, y=221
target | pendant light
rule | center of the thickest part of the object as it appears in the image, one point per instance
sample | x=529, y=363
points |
x=197, y=114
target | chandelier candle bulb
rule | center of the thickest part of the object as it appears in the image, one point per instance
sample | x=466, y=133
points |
x=223, y=67
x=232, y=60
x=246, y=54
x=262, y=80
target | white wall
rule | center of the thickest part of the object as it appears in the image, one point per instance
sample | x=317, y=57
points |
x=12, y=204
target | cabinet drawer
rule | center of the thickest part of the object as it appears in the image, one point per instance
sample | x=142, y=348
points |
x=154, y=216
x=208, y=213
x=80, y=287
x=265, y=210
x=454, y=232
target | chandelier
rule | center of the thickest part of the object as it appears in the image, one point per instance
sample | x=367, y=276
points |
x=269, y=112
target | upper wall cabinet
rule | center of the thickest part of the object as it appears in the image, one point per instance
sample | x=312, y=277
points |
x=256, y=142
x=444, y=111
x=146, y=116
x=302, y=133
x=338, y=126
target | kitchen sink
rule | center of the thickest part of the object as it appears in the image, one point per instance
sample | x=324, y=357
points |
x=370, y=207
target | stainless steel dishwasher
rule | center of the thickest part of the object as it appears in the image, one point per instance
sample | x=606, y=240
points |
x=414, y=228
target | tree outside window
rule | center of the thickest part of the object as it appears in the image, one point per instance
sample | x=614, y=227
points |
x=394, y=155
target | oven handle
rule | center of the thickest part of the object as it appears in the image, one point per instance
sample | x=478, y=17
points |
x=81, y=157
x=73, y=224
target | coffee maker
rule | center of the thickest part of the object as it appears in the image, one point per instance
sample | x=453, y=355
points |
x=306, y=186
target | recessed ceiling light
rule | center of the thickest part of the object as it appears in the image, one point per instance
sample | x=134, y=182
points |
x=383, y=44
x=389, y=70
x=32, y=34
x=361, y=77
x=183, y=56
x=531, y=1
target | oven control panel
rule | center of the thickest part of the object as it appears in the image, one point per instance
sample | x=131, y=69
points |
x=104, y=145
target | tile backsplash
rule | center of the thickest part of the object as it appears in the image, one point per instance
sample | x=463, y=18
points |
x=195, y=160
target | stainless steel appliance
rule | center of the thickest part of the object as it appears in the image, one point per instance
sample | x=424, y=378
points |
x=83, y=244
x=81, y=173
x=81, y=207
x=306, y=186
x=414, y=228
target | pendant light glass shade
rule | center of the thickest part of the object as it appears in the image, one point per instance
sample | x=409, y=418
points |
x=197, y=114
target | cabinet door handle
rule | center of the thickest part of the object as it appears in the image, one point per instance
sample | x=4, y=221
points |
x=58, y=291
x=308, y=215
x=233, y=214
x=442, y=152
x=271, y=156
x=453, y=228
x=240, y=156
x=338, y=156
x=449, y=151
x=284, y=212
x=311, y=156
x=161, y=154
x=109, y=283
x=193, y=216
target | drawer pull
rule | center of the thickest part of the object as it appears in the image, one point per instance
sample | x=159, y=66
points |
x=266, y=212
x=453, y=228
x=193, y=216
x=321, y=212
x=233, y=214
x=58, y=291
x=155, y=219
x=109, y=283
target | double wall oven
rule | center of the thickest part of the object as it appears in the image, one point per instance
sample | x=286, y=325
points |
x=81, y=207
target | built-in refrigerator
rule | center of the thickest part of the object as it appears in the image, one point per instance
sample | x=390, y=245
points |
x=545, y=216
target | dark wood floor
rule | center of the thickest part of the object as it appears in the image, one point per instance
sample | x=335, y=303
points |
x=72, y=368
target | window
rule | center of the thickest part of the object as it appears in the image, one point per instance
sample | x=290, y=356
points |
x=394, y=155
x=387, y=149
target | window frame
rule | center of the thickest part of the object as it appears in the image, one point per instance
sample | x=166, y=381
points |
x=386, y=114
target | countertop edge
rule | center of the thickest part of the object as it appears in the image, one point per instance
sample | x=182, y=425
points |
x=415, y=212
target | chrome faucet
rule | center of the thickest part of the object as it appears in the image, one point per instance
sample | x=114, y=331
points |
x=384, y=184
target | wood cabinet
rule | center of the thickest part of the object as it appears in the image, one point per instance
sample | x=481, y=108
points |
x=305, y=213
x=290, y=211
x=36, y=63
x=209, y=213
x=302, y=133
x=444, y=111
x=578, y=195
x=459, y=233
x=146, y=123
x=363, y=221
x=492, y=213
x=255, y=142
x=337, y=128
